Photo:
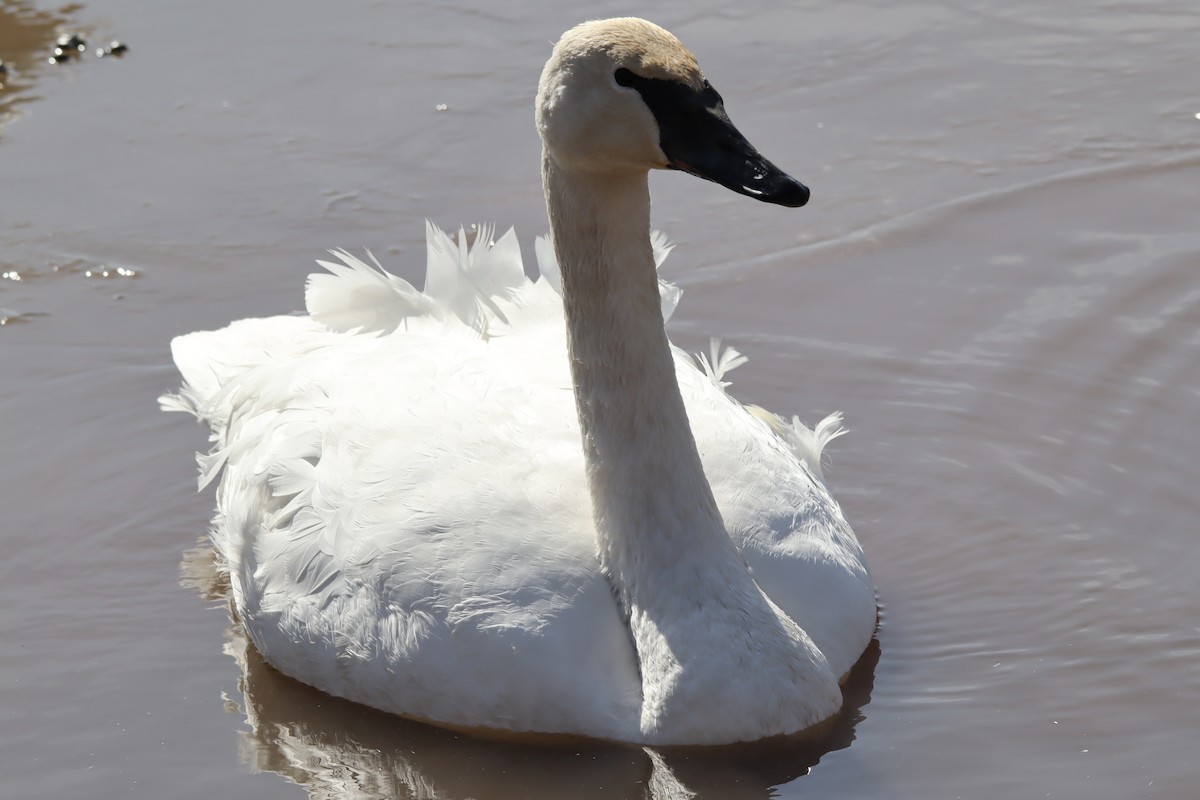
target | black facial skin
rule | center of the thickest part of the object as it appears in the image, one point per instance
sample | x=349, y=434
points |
x=697, y=137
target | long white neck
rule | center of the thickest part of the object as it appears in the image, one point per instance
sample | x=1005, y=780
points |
x=710, y=644
x=652, y=502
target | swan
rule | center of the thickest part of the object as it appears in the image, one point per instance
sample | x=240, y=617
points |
x=509, y=506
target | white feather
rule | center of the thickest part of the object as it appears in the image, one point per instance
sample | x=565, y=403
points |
x=370, y=504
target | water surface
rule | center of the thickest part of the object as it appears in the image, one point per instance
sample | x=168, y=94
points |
x=997, y=280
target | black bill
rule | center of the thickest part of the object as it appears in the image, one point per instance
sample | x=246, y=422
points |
x=697, y=137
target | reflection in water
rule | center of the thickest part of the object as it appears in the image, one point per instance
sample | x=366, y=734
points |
x=337, y=749
x=26, y=35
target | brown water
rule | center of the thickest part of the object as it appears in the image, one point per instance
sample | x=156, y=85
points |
x=998, y=280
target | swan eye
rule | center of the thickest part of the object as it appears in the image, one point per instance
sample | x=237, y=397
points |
x=624, y=77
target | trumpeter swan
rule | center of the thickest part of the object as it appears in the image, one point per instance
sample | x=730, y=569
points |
x=406, y=511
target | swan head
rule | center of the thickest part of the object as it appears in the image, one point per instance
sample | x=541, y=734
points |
x=624, y=95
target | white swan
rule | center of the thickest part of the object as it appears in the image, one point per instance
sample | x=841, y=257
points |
x=407, y=515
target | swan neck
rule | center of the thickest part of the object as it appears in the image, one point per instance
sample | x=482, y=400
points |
x=691, y=606
x=651, y=499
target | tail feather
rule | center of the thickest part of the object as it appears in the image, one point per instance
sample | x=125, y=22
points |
x=467, y=280
x=807, y=444
x=353, y=296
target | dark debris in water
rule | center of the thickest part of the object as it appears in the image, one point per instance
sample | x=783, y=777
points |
x=114, y=49
x=70, y=46
x=72, y=41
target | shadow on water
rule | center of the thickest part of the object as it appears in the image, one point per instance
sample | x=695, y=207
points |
x=27, y=35
x=338, y=749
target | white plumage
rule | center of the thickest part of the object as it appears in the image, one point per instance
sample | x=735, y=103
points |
x=409, y=519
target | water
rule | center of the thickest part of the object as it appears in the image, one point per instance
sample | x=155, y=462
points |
x=998, y=280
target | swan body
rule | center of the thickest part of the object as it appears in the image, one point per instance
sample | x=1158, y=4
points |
x=512, y=505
